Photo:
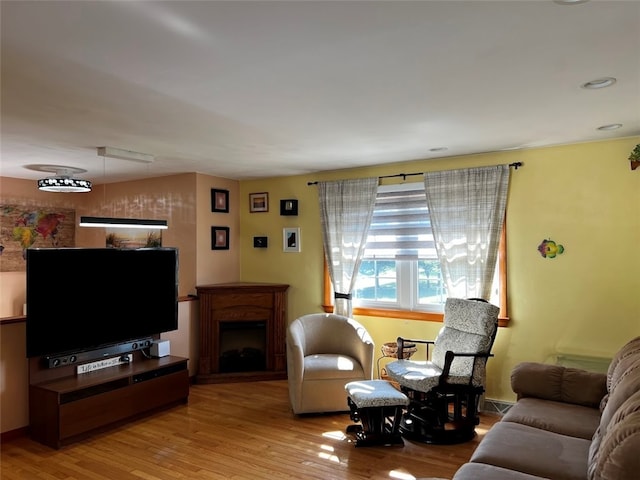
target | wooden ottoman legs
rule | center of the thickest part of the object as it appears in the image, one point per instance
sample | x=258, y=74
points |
x=378, y=406
x=379, y=425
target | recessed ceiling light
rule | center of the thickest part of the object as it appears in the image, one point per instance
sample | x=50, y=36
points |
x=611, y=126
x=599, y=83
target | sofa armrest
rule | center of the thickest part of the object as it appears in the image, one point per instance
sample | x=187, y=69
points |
x=558, y=383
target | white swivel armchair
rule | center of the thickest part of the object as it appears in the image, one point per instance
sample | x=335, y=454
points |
x=324, y=353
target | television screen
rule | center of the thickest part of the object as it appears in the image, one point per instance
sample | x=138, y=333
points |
x=83, y=298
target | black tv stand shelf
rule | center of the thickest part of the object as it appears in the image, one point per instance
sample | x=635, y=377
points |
x=65, y=407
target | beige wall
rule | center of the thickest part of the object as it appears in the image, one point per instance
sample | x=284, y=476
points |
x=583, y=302
x=216, y=266
x=14, y=374
x=183, y=200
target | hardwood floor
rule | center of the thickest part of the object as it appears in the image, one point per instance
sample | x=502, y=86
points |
x=233, y=431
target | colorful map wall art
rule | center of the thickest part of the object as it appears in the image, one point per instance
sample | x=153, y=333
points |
x=32, y=227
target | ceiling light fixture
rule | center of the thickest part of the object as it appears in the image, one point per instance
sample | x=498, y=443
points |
x=599, y=83
x=63, y=181
x=111, y=222
x=114, y=222
x=612, y=126
x=111, y=152
x=570, y=2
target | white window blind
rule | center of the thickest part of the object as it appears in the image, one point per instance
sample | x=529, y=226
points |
x=400, y=227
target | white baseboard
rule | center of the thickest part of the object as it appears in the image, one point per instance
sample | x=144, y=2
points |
x=496, y=406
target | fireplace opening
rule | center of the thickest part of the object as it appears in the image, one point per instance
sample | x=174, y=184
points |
x=243, y=346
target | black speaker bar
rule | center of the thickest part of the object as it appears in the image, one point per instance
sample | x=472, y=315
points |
x=90, y=355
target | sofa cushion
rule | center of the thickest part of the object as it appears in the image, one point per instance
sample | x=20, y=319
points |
x=474, y=471
x=630, y=348
x=558, y=417
x=558, y=383
x=534, y=451
x=619, y=364
x=616, y=453
x=627, y=366
x=625, y=385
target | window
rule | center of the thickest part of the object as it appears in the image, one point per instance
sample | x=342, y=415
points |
x=400, y=273
x=400, y=268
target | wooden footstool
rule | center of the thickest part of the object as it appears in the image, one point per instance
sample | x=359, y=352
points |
x=378, y=406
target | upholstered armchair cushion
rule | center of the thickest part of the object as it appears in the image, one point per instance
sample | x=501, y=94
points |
x=324, y=353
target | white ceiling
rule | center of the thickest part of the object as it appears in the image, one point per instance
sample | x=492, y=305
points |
x=249, y=89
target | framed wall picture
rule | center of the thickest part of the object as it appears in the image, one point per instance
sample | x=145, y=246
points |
x=291, y=239
x=219, y=200
x=289, y=207
x=219, y=238
x=259, y=202
x=260, y=242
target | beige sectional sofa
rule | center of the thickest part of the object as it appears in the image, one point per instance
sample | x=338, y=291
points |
x=567, y=424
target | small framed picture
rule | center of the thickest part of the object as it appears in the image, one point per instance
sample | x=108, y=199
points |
x=291, y=239
x=219, y=238
x=289, y=207
x=219, y=200
x=260, y=242
x=259, y=202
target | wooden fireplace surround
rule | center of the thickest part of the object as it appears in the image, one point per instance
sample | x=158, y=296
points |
x=242, y=302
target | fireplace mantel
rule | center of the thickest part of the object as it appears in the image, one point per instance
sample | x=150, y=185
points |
x=242, y=302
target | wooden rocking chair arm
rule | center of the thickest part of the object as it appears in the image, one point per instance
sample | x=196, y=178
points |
x=477, y=355
x=402, y=341
x=449, y=356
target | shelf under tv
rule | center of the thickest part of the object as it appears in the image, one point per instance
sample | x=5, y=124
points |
x=65, y=407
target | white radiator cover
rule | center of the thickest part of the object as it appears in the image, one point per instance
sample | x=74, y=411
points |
x=592, y=364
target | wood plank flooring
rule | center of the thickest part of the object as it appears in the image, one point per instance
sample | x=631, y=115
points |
x=233, y=431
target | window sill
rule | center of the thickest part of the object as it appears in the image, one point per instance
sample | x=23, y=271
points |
x=404, y=314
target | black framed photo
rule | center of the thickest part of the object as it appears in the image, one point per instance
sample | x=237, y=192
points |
x=260, y=242
x=219, y=238
x=289, y=207
x=219, y=200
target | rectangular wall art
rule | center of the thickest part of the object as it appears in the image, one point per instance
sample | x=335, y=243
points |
x=291, y=239
x=219, y=238
x=219, y=200
x=259, y=202
x=32, y=227
x=133, y=238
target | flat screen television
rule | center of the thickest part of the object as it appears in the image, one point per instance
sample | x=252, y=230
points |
x=79, y=299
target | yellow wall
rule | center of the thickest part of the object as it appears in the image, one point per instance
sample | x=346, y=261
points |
x=583, y=302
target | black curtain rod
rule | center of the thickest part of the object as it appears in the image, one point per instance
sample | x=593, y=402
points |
x=515, y=165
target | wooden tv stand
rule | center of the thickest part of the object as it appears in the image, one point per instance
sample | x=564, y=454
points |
x=65, y=407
